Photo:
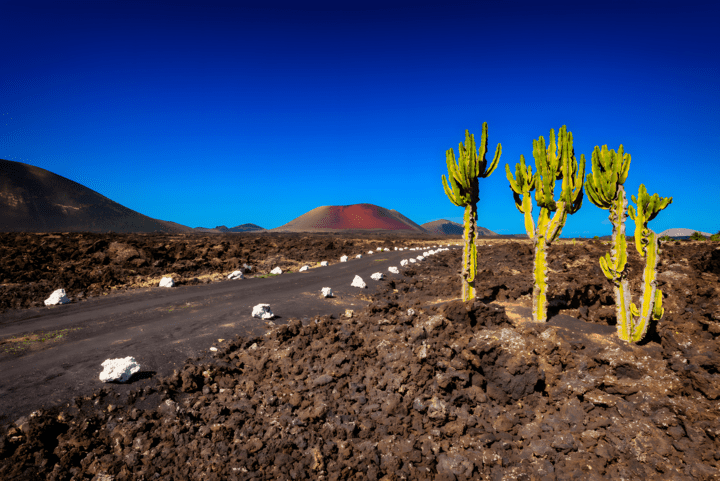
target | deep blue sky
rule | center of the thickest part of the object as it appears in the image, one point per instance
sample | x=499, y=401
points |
x=237, y=112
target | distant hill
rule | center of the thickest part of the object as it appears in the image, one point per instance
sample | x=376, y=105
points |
x=221, y=229
x=447, y=227
x=36, y=200
x=680, y=233
x=366, y=217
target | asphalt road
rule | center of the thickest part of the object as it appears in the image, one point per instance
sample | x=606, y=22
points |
x=163, y=327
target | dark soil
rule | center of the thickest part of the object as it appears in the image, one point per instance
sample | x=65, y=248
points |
x=32, y=266
x=452, y=391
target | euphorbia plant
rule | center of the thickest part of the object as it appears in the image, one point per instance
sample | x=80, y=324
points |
x=463, y=191
x=605, y=189
x=552, y=163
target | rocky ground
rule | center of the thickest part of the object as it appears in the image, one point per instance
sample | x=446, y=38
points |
x=32, y=266
x=420, y=385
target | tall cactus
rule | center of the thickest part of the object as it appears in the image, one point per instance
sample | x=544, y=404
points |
x=605, y=189
x=552, y=163
x=463, y=191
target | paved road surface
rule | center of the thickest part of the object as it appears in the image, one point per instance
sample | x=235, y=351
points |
x=162, y=327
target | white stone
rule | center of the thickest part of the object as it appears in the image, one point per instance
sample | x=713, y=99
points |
x=324, y=264
x=386, y=249
x=167, y=282
x=358, y=282
x=393, y=270
x=377, y=276
x=404, y=262
x=262, y=311
x=343, y=259
x=236, y=275
x=420, y=258
x=413, y=261
x=57, y=297
x=304, y=268
x=119, y=370
x=213, y=349
x=396, y=248
x=277, y=270
x=370, y=252
x=327, y=292
x=359, y=256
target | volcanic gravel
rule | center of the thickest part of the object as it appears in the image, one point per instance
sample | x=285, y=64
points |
x=420, y=385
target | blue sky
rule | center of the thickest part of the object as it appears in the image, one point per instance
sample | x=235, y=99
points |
x=257, y=112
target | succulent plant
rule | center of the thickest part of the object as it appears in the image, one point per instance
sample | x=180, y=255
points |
x=552, y=162
x=605, y=189
x=462, y=188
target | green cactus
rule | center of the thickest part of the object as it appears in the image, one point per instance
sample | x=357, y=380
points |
x=552, y=163
x=463, y=191
x=605, y=189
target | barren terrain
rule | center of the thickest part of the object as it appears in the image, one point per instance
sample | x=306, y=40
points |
x=449, y=390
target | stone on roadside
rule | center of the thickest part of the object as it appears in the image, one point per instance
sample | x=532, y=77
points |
x=262, y=311
x=359, y=256
x=277, y=270
x=57, y=297
x=420, y=258
x=327, y=292
x=304, y=268
x=358, y=282
x=344, y=259
x=167, y=282
x=413, y=261
x=393, y=270
x=236, y=275
x=370, y=252
x=404, y=262
x=324, y=264
x=119, y=370
x=377, y=276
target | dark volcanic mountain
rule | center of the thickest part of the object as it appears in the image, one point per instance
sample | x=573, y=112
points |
x=36, y=200
x=447, y=227
x=365, y=217
x=221, y=229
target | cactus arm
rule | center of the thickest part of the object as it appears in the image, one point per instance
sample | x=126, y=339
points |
x=651, y=293
x=450, y=193
x=527, y=214
x=496, y=159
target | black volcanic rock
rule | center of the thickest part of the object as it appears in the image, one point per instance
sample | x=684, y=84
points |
x=36, y=200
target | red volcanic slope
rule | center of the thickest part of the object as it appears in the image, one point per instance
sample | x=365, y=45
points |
x=350, y=217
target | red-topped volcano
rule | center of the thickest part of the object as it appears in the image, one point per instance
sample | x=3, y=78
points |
x=330, y=218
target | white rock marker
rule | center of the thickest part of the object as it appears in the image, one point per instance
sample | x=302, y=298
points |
x=358, y=282
x=236, y=275
x=262, y=311
x=304, y=268
x=359, y=256
x=119, y=370
x=377, y=276
x=386, y=249
x=370, y=252
x=167, y=282
x=412, y=261
x=396, y=248
x=277, y=270
x=343, y=259
x=57, y=297
x=404, y=262
x=393, y=270
x=327, y=292
x=420, y=258
x=324, y=264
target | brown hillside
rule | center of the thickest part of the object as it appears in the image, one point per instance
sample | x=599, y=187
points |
x=447, y=227
x=333, y=218
x=36, y=200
